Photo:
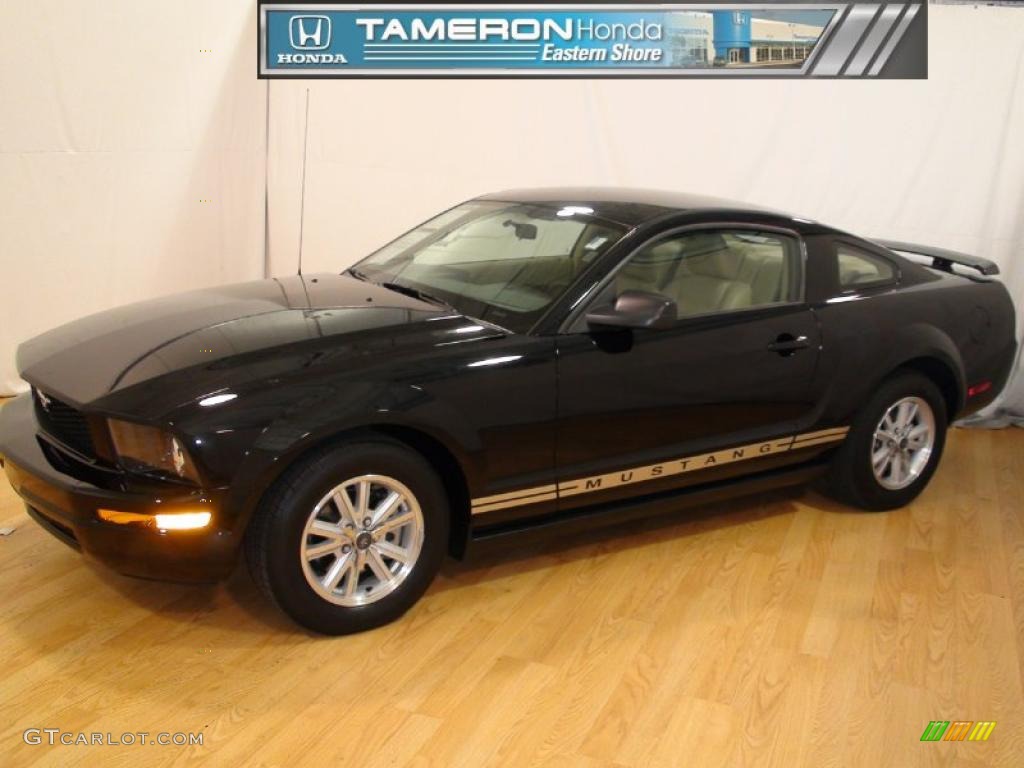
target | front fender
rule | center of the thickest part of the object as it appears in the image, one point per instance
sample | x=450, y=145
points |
x=315, y=415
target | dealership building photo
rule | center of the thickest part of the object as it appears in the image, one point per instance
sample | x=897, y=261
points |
x=738, y=38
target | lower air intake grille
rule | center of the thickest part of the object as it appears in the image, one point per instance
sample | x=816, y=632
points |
x=64, y=423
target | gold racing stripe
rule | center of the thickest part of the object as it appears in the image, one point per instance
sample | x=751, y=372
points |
x=515, y=498
x=656, y=471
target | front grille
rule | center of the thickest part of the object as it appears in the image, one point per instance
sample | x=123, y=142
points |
x=66, y=424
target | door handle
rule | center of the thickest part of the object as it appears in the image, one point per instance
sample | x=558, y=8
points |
x=786, y=344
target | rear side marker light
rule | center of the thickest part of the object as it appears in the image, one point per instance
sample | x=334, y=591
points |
x=170, y=521
x=979, y=388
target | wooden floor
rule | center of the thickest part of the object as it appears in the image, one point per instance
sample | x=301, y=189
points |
x=783, y=630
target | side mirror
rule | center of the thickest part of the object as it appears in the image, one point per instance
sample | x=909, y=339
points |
x=635, y=309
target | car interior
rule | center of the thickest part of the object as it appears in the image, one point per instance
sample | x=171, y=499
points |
x=519, y=263
x=707, y=272
x=522, y=274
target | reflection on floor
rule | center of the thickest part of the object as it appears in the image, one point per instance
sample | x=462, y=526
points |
x=783, y=630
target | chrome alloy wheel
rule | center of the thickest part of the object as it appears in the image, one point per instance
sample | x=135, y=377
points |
x=362, y=540
x=903, y=443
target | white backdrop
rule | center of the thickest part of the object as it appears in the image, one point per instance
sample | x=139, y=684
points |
x=938, y=161
x=115, y=123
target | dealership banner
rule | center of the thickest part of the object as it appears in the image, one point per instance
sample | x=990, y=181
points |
x=796, y=39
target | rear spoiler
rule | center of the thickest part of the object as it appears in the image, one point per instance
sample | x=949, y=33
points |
x=943, y=259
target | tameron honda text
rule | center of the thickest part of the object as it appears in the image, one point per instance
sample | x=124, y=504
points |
x=328, y=40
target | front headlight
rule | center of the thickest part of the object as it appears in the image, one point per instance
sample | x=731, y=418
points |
x=147, y=449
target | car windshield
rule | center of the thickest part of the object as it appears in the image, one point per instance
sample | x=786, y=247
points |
x=501, y=262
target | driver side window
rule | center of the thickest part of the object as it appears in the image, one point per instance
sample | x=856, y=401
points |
x=711, y=271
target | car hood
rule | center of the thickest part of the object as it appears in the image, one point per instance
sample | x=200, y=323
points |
x=88, y=359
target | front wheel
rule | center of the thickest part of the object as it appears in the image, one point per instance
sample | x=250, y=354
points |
x=351, y=538
x=893, y=446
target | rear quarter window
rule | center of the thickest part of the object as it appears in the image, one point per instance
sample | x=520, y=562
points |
x=858, y=268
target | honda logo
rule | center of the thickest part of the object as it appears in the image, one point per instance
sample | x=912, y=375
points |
x=310, y=33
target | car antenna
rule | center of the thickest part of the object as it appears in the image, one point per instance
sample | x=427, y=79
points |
x=302, y=204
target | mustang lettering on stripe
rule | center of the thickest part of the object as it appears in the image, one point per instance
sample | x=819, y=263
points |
x=656, y=471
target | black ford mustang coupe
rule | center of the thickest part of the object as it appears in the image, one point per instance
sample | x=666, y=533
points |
x=541, y=358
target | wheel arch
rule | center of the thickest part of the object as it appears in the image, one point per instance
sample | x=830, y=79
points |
x=943, y=375
x=928, y=350
x=448, y=469
x=435, y=452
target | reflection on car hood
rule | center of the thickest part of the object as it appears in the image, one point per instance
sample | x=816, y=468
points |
x=89, y=358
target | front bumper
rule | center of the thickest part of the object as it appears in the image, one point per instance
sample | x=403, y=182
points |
x=68, y=508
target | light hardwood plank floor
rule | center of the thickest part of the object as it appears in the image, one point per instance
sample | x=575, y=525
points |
x=778, y=630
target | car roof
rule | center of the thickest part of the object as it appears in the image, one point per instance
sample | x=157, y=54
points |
x=628, y=206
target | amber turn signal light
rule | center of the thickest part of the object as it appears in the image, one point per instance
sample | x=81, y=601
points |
x=165, y=521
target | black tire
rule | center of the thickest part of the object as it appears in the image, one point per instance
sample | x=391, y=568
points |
x=851, y=478
x=275, y=535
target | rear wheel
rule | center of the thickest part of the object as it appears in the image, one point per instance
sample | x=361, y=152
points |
x=893, y=446
x=351, y=538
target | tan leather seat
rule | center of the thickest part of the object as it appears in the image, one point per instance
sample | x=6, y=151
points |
x=705, y=272
x=711, y=281
x=650, y=269
x=764, y=270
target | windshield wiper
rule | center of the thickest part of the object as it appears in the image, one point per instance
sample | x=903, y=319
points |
x=415, y=293
x=357, y=274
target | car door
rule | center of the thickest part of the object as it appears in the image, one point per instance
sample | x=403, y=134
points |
x=645, y=411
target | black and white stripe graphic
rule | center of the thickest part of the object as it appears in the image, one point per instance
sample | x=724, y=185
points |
x=862, y=39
